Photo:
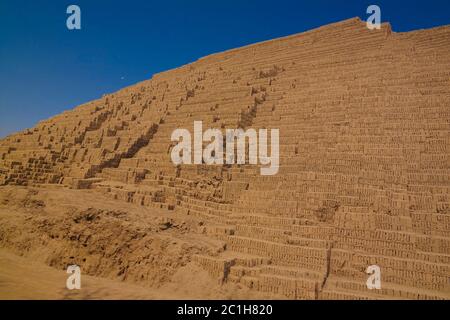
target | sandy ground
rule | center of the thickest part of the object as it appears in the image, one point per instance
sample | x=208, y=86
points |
x=124, y=251
x=24, y=278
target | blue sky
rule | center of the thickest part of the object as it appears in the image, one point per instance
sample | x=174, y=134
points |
x=46, y=69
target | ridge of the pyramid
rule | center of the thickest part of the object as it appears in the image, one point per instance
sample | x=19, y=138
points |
x=354, y=22
x=351, y=21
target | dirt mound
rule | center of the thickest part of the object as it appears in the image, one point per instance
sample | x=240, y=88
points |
x=107, y=243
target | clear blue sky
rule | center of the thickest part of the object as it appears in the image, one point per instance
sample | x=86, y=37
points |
x=46, y=69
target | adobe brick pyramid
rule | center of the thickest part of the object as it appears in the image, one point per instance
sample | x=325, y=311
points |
x=364, y=179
